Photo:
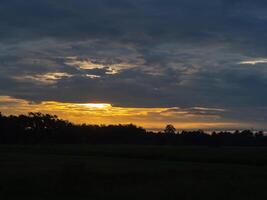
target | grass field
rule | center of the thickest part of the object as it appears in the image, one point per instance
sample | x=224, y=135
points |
x=132, y=172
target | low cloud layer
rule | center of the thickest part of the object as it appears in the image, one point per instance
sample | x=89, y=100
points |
x=150, y=118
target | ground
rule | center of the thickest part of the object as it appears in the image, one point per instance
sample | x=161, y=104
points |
x=132, y=172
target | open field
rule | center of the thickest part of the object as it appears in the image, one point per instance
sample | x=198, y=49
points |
x=132, y=172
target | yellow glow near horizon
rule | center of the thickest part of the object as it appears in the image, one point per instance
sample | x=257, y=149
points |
x=104, y=113
x=96, y=105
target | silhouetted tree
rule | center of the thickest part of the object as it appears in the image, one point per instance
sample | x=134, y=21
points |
x=38, y=128
x=170, y=129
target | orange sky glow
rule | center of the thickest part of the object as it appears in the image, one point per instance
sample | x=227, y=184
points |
x=104, y=113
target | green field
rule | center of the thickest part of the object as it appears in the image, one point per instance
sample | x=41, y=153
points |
x=132, y=172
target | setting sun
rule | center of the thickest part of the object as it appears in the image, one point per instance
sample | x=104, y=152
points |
x=95, y=105
x=104, y=113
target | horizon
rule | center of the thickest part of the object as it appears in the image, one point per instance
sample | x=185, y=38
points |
x=154, y=130
x=106, y=114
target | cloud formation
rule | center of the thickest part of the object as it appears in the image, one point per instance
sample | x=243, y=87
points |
x=146, y=53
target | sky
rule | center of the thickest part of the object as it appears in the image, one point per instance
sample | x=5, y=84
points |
x=194, y=64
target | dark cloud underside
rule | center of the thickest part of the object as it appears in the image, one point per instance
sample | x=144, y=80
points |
x=144, y=53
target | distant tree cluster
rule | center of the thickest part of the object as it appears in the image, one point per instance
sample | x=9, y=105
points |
x=38, y=128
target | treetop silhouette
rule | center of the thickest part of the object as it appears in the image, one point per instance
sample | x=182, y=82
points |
x=38, y=128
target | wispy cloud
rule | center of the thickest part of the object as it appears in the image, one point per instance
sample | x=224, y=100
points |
x=44, y=79
x=254, y=61
x=88, y=64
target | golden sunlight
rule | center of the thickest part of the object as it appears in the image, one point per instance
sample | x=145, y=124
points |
x=104, y=113
x=95, y=105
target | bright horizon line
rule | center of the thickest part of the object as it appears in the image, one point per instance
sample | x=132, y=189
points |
x=191, y=118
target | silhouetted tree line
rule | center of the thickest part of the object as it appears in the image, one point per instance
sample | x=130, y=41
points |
x=38, y=128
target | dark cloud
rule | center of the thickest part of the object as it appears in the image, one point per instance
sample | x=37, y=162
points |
x=145, y=53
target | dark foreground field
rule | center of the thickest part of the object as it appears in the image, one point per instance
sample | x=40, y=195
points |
x=132, y=172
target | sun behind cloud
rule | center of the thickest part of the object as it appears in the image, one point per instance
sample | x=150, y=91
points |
x=105, y=113
x=95, y=105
